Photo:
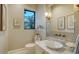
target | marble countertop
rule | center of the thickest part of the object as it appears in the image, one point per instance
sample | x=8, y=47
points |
x=43, y=46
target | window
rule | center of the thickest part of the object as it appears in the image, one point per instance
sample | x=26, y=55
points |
x=29, y=19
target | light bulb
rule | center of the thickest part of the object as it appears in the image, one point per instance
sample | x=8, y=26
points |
x=46, y=14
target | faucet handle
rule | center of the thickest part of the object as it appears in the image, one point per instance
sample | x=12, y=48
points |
x=63, y=35
x=56, y=34
x=59, y=34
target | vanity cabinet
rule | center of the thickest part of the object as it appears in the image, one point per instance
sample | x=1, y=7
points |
x=39, y=50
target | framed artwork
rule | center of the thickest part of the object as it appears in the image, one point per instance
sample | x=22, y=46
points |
x=16, y=23
x=61, y=23
x=29, y=19
x=70, y=22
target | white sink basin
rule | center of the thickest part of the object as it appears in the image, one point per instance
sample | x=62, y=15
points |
x=54, y=44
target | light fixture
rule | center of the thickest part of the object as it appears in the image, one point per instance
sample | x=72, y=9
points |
x=48, y=15
x=76, y=6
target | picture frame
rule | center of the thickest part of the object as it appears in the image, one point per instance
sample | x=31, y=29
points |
x=16, y=23
x=61, y=23
x=70, y=22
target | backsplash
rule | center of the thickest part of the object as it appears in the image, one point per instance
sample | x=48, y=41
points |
x=69, y=37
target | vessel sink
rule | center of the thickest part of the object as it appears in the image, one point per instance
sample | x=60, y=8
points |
x=54, y=44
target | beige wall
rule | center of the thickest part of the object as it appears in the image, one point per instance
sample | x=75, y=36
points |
x=59, y=11
x=76, y=24
x=18, y=37
x=3, y=42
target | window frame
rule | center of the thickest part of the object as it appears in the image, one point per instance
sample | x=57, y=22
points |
x=34, y=18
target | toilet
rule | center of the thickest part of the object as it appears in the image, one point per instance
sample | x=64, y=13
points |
x=30, y=47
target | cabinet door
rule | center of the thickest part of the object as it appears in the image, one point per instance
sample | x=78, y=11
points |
x=38, y=50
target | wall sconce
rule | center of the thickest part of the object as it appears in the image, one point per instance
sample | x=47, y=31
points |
x=48, y=15
x=76, y=6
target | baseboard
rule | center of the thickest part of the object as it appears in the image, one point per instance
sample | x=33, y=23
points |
x=12, y=51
